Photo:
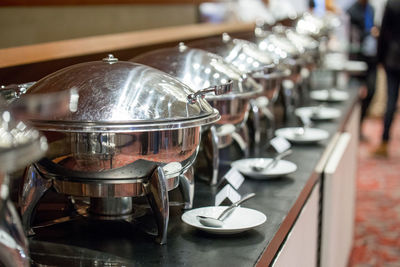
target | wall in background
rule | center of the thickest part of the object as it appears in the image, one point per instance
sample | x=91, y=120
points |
x=30, y=25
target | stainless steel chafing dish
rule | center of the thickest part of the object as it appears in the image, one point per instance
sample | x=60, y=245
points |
x=315, y=26
x=199, y=68
x=275, y=39
x=249, y=59
x=281, y=48
x=19, y=146
x=135, y=131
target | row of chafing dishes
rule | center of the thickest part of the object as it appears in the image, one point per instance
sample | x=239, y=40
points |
x=130, y=129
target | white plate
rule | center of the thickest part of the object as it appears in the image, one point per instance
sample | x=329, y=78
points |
x=282, y=168
x=318, y=113
x=240, y=220
x=339, y=62
x=331, y=95
x=311, y=135
x=355, y=66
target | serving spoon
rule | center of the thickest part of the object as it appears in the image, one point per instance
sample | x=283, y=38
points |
x=219, y=221
x=272, y=163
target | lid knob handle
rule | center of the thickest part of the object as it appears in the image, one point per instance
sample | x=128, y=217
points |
x=110, y=59
x=226, y=37
x=182, y=47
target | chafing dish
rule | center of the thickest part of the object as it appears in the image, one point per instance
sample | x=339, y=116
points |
x=135, y=131
x=275, y=39
x=199, y=68
x=249, y=59
x=19, y=146
x=315, y=26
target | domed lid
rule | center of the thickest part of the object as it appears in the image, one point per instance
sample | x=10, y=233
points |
x=20, y=144
x=199, y=69
x=302, y=40
x=243, y=54
x=311, y=25
x=122, y=96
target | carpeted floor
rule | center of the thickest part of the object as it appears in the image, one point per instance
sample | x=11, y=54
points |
x=377, y=226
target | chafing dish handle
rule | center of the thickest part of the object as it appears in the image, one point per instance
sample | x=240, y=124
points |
x=284, y=73
x=217, y=90
x=14, y=91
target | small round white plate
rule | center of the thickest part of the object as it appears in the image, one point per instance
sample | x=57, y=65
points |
x=318, y=113
x=355, y=66
x=310, y=135
x=331, y=95
x=240, y=220
x=282, y=168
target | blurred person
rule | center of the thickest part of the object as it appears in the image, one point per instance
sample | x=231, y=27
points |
x=363, y=41
x=389, y=56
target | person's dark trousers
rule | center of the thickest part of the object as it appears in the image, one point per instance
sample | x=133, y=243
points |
x=370, y=82
x=393, y=82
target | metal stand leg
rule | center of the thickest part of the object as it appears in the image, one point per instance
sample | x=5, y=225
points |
x=271, y=121
x=256, y=125
x=186, y=185
x=289, y=91
x=157, y=195
x=13, y=244
x=207, y=162
x=34, y=187
x=215, y=155
x=242, y=139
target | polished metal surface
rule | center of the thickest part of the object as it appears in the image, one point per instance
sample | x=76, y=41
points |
x=106, y=156
x=157, y=195
x=13, y=243
x=111, y=206
x=186, y=185
x=108, y=201
x=102, y=189
x=311, y=25
x=247, y=58
x=20, y=144
x=207, y=163
x=134, y=130
x=200, y=69
x=216, y=89
x=13, y=91
x=303, y=40
x=243, y=54
x=276, y=42
x=129, y=119
x=122, y=96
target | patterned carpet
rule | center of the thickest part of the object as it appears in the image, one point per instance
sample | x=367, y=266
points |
x=377, y=227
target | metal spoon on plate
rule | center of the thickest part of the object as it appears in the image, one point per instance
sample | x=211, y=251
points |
x=272, y=163
x=219, y=221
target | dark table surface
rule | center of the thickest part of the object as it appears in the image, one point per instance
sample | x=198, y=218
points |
x=88, y=243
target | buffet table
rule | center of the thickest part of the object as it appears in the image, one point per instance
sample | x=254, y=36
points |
x=282, y=200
